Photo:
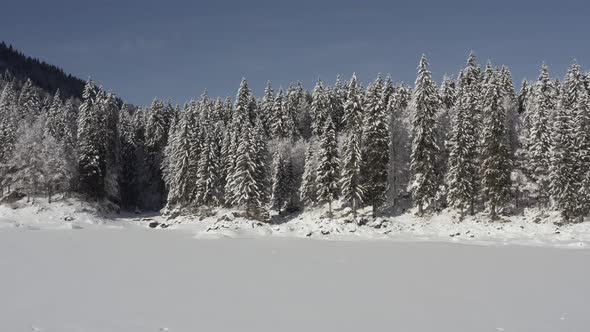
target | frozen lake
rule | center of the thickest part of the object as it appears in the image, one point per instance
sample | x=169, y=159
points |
x=144, y=280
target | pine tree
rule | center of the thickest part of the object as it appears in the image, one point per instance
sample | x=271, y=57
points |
x=350, y=182
x=495, y=149
x=29, y=102
x=267, y=106
x=262, y=163
x=448, y=93
x=566, y=178
x=462, y=169
x=353, y=106
x=110, y=114
x=309, y=180
x=8, y=126
x=91, y=160
x=539, y=140
x=425, y=103
x=55, y=125
x=282, y=123
x=283, y=180
x=320, y=109
x=207, y=191
x=246, y=190
x=375, y=146
x=337, y=99
x=328, y=167
x=181, y=181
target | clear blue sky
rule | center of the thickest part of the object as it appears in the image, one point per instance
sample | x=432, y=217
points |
x=175, y=49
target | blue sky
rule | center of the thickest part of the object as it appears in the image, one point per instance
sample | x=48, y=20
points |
x=175, y=49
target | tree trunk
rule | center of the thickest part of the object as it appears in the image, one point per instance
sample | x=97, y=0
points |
x=374, y=211
x=493, y=215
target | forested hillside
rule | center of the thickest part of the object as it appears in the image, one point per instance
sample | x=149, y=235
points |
x=45, y=76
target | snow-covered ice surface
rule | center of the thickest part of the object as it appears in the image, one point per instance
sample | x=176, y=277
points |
x=65, y=267
x=140, y=280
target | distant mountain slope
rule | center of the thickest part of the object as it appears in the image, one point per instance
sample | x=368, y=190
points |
x=47, y=77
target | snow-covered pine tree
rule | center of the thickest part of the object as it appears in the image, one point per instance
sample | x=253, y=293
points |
x=350, y=181
x=267, y=107
x=511, y=107
x=181, y=167
x=110, y=114
x=463, y=165
x=337, y=99
x=157, y=127
x=207, y=191
x=298, y=104
x=539, y=139
x=524, y=96
x=461, y=175
x=448, y=97
x=495, y=154
x=8, y=129
x=399, y=154
x=126, y=157
x=91, y=161
x=320, y=108
x=69, y=115
x=448, y=92
x=282, y=126
x=353, y=106
x=54, y=125
x=425, y=104
x=245, y=188
x=29, y=102
x=564, y=173
x=309, y=180
x=55, y=169
x=375, y=145
x=283, y=179
x=581, y=132
x=328, y=166
x=263, y=160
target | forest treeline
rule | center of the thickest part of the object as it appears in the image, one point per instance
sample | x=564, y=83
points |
x=472, y=144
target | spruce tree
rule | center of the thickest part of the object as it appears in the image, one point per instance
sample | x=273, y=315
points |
x=353, y=106
x=267, y=108
x=375, y=145
x=539, y=140
x=246, y=190
x=320, y=109
x=207, y=191
x=283, y=180
x=328, y=167
x=565, y=172
x=282, y=123
x=425, y=104
x=461, y=175
x=495, y=152
x=309, y=180
x=350, y=182
x=91, y=161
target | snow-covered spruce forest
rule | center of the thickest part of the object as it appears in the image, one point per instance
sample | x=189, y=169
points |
x=471, y=144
